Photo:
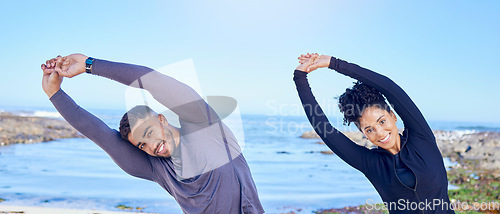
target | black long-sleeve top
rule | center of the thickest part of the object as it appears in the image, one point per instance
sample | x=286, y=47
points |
x=419, y=151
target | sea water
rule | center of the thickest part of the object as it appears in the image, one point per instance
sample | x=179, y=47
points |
x=291, y=173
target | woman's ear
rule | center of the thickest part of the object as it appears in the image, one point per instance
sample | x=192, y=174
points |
x=393, y=116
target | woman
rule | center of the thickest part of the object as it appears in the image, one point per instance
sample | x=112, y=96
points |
x=407, y=169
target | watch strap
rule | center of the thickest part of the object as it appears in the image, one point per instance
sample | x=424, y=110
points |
x=88, y=65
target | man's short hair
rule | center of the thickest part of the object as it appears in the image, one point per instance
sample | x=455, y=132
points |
x=131, y=117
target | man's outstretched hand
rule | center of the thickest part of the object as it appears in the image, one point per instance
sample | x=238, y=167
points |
x=68, y=66
x=56, y=68
x=51, y=80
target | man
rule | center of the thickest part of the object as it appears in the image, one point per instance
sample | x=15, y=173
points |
x=199, y=163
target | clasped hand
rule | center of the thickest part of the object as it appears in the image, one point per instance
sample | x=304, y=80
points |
x=57, y=68
x=310, y=62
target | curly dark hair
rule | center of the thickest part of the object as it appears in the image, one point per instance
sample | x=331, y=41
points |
x=131, y=117
x=355, y=100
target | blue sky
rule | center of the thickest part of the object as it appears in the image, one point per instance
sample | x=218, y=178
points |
x=443, y=53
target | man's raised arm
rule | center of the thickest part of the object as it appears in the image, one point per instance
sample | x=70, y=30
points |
x=132, y=160
x=175, y=95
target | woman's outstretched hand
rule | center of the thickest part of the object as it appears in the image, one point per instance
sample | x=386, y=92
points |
x=306, y=60
x=318, y=61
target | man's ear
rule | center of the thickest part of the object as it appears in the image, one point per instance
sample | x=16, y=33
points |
x=162, y=119
x=131, y=139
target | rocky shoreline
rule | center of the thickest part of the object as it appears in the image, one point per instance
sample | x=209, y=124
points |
x=479, y=150
x=16, y=129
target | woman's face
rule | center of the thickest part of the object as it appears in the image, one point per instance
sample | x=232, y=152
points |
x=379, y=126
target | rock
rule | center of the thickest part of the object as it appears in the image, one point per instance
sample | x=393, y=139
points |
x=19, y=129
x=310, y=135
x=479, y=149
x=461, y=149
x=327, y=152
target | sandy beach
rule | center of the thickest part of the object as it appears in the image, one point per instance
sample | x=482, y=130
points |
x=4, y=209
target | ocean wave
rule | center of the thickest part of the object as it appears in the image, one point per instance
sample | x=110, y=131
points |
x=479, y=128
x=50, y=114
x=47, y=114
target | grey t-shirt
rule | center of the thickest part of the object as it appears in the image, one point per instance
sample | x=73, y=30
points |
x=206, y=174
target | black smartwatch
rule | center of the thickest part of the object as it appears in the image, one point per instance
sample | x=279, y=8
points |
x=88, y=65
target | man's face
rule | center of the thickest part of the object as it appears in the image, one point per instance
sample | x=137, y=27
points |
x=153, y=136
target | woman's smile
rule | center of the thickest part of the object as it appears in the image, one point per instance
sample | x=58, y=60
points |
x=385, y=139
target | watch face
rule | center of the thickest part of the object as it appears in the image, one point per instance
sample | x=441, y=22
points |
x=89, y=60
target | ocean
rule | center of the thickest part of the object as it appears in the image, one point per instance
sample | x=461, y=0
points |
x=291, y=173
